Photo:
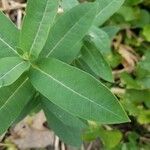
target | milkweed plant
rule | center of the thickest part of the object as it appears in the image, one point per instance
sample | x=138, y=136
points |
x=54, y=62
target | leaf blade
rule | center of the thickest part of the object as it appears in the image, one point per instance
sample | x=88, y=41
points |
x=97, y=98
x=65, y=117
x=12, y=102
x=9, y=36
x=96, y=61
x=11, y=69
x=36, y=27
x=106, y=9
x=101, y=39
x=68, y=134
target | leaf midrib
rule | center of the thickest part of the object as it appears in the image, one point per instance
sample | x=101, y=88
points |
x=70, y=89
x=63, y=37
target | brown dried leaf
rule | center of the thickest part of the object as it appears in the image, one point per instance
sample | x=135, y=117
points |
x=130, y=58
x=30, y=133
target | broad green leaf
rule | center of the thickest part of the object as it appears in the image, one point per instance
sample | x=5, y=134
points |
x=63, y=115
x=68, y=30
x=9, y=35
x=106, y=9
x=100, y=38
x=68, y=134
x=76, y=92
x=96, y=62
x=40, y=15
x=12, y=100
x=68, y=4
x=11, y=69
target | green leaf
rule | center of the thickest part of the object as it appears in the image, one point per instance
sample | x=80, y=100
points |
x=113, y=140
x=63, y=115
x=96, y=131
x=12, y=100
x=76, y=92
x=68, y=4
x=40, y=15
x=101, y=39
x=96, y=62
x=68, y=30
x=9, y=35
x=106, y=9
x=11, y=69
x=68, y=134
x=146, y=32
